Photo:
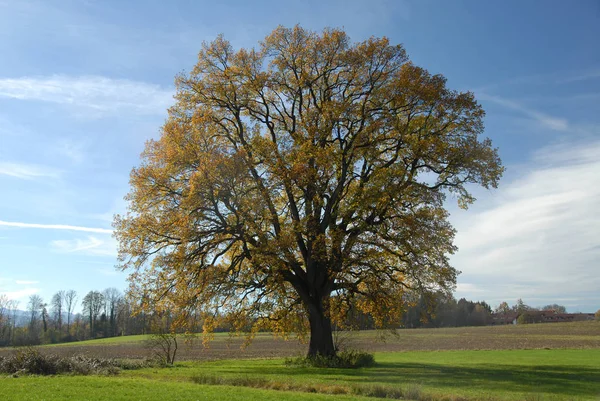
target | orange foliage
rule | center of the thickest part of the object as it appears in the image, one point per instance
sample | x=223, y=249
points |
x=300, y=180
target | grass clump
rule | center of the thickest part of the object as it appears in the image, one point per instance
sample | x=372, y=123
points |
x=30, y=361
x=413, y=392
x=349, y=359
x=378, y=391
x=244, y=381
x=375, y=391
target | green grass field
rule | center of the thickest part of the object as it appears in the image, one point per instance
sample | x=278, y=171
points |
x=123, y=340
x=491, y=371
x=435, y=375
x=117, y=388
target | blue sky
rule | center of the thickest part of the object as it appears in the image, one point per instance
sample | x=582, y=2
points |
x=83, y=84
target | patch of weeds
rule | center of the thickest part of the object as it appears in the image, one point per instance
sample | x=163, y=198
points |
x=242, y=381
x=349, y=359
x=534, y=397
x=32, y=362
x=378, y=391
x=135, y=364
x=335, y=390
x=208, y=379
x=413, y=392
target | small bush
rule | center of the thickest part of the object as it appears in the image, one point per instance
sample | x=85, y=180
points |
x=356, y=359
x=344, y=359
x=163, y=348
x=31, y=361
x=133, y=364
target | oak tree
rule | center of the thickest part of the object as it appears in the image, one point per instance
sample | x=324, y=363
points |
x=301, y=179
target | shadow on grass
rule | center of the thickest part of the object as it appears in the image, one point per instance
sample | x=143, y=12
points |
x=570, y=381
x=557, y=379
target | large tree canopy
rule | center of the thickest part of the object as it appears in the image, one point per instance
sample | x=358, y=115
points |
x=300, y=180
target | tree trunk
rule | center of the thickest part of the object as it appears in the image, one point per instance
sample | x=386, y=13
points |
x=321, y=335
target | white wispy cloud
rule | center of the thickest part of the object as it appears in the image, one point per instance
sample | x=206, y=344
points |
x=55, y=227
x=98, y=95
x=551, y=78
x=536, y=237
x=26, y=282
x=582, y=76
x=27, y=171
x=20, y=295
x=90, y=246
x=548, y=121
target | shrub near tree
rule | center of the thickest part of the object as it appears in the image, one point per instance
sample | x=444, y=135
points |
x=299, y=180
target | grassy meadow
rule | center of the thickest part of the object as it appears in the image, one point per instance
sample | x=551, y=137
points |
x=529, y=362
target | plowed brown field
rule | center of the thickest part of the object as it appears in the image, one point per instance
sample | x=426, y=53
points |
x=533, y=336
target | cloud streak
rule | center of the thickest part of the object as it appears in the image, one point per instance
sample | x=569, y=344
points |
x=90, y=246
x=548, y=121
x=584, y=76
x=554, y=78
x=20, y=294
x=55, y=227
x=536, y=238
x=27, y=171
x=26, y=282
x=96, y=94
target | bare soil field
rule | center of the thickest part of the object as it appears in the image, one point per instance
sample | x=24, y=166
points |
x=576, y=335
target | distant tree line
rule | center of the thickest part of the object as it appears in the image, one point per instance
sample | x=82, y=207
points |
x=524, y=313
x=105, y=313
x=111, y=313
x=521, y=307
x=445, y=311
